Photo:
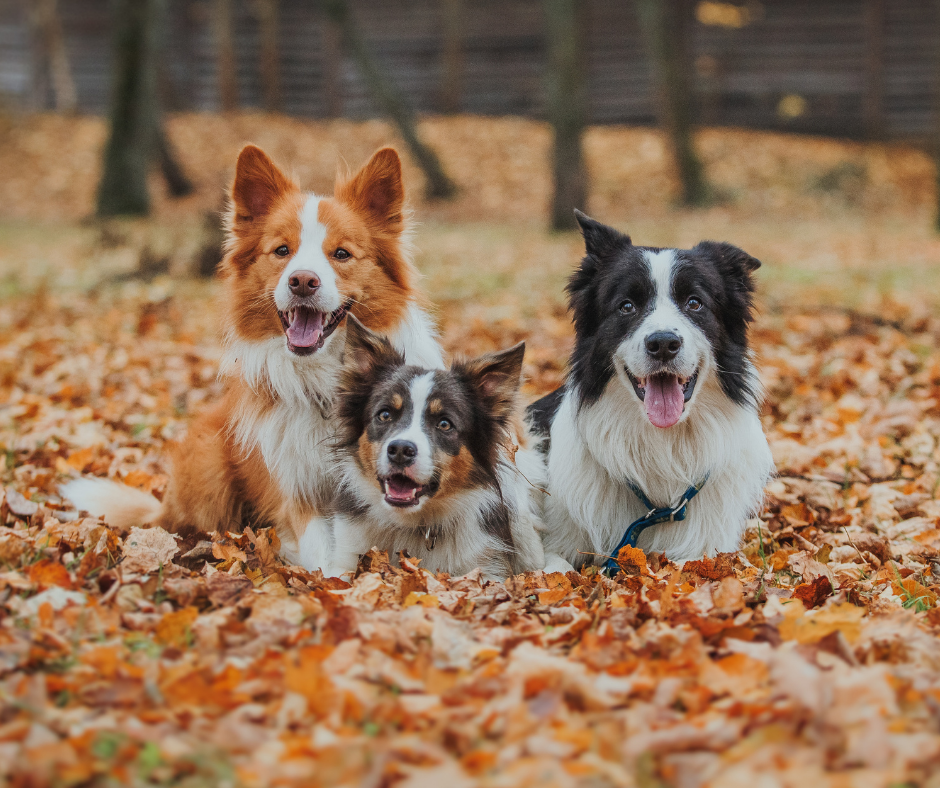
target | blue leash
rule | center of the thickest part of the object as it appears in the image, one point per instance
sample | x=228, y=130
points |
x=655, y=516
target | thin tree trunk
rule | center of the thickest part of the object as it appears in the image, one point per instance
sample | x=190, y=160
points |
x=130, y=148
x=332, y=65
x=666, y=27
x=225, y=55
x=176, y=179
x=874, y=67
x=566, y=107
x=269, y=28
x=452, y=12
x=137, y=135
x=53, y=56
x=439, y=186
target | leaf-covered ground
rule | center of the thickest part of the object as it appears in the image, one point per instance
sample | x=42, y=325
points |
x=808, y=658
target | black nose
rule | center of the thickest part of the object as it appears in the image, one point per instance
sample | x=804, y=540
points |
x=303, y=283
x=663, y=345
x=402, y=452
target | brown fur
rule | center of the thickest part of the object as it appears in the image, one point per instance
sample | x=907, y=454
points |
x=214, y=486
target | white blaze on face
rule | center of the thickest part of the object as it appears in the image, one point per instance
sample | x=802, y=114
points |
x=310, y=257
x=665, y=315
x=420, y=390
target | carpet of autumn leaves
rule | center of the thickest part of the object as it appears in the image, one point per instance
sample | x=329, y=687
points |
x=140, y=658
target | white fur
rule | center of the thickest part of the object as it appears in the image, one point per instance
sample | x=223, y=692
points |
x=416, y=337
x=665, y=316
x=461, y=544
x=310, y=256
x=598, y=450
x=420, y=390
x=99, y=496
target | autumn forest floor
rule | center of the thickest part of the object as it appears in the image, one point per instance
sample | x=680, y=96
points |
x=808, y=658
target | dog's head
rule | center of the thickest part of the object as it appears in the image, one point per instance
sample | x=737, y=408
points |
x=417, y=437
x=664, y=321
x=297, y=262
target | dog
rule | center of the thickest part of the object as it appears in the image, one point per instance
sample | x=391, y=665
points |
x=295, y=265
x=429, y=463
x=661, y=395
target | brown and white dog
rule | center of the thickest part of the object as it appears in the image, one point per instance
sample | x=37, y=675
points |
x=295, y=264
x=429, y=462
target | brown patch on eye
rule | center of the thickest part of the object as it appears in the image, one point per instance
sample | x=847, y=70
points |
x=397, y=401
x=365, y=456
x=378, y=277
x=251, y=272
x=457, y=473
x=435, y=406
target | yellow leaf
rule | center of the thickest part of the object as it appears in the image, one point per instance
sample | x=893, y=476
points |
x=845, y=618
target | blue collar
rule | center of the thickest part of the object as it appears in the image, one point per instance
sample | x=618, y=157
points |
x=655, y=516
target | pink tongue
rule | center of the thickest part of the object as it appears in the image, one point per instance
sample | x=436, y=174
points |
x=400, y=488
x=664, y=400
x=306, y=329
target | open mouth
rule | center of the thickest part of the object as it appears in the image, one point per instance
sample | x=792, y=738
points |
x=307, y=328
x=402, y=491
x=664, y=394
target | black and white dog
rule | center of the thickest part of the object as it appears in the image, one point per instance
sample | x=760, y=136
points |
x=429, y=462
x=660, y=395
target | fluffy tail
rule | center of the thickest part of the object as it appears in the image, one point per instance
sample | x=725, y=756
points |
x=121, y=506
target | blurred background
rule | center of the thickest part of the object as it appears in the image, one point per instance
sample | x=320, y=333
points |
x=803, y=131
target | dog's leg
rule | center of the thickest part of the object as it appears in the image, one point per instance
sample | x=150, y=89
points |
x=314, y=545
x=555, y=563
x=349, y=542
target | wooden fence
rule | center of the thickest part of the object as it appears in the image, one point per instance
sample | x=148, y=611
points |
x=844, y=67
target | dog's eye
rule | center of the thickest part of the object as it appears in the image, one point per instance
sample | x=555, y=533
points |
x=694, y=304
x=384, y=416
x=627, y=308
x=444, y=425
x=341, y=254
x=282, y=251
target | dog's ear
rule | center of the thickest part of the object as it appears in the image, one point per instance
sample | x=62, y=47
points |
x=734, y=264
x=495, y=377
x=366, y=351
x=600, y=240
x=258, y=183
x=377, y=190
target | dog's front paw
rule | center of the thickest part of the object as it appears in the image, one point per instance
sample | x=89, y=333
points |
x=555, y=563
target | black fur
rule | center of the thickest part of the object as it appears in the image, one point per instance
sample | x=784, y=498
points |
x=541, y=414
x=477, y=397
x=614, y=271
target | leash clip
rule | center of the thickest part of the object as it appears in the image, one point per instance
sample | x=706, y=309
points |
x=430, y=538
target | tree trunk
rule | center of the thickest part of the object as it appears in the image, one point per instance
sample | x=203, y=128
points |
x=332, y=60
x=137, y=135
x=439, y=186
x=130, y=149
x=52, y=57
x=227, y=74
x=666, y=27
x=268, y=22
x=566, y=107
x=452, y=12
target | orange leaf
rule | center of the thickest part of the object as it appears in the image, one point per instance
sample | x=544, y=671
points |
x=552, y=596
x=82, y=458
x=632, y=561
x=47, y=573
x=174, y=628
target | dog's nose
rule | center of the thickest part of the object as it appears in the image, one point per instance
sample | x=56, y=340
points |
x=663, y=345
x=303, y=283
x=402, y=453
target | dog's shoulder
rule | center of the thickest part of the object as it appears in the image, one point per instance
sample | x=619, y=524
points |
x=541, y=413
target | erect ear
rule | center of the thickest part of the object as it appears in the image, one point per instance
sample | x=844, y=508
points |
x=367, y=351
x=600, y=240
x=377, y=189
x=496, y=378
x=730, y=260
x=258, y=183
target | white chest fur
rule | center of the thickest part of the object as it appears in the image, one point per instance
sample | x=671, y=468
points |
x=597, y=451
